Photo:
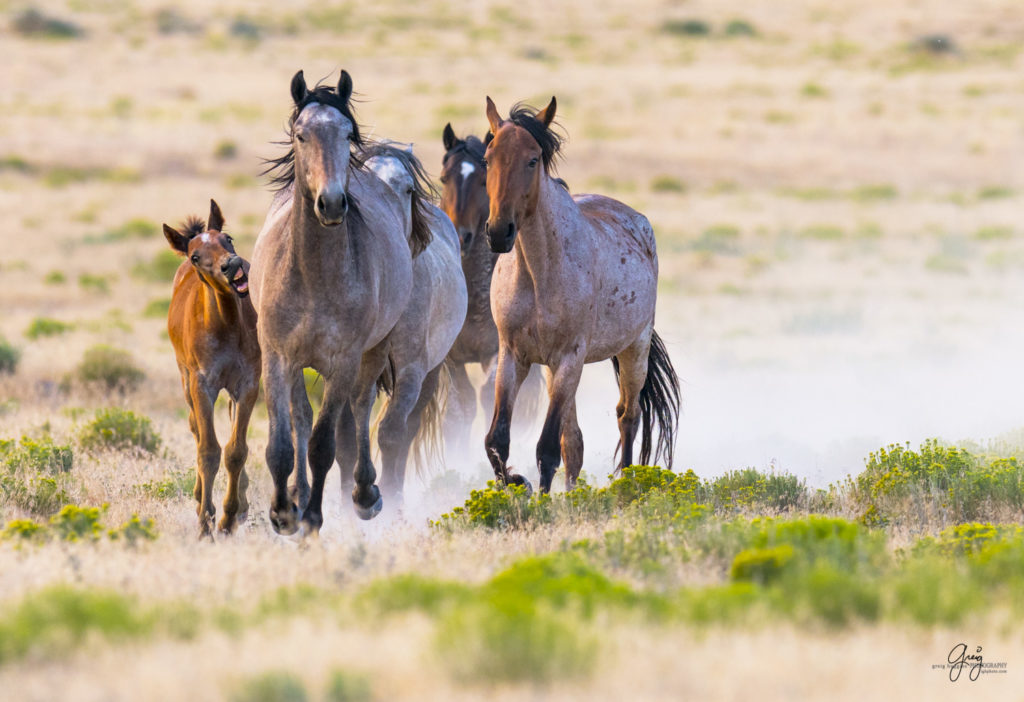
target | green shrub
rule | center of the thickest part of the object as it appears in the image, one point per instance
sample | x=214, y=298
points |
x=345, y=686
x=114, y=369
x=995, y=192
x=161, y=268
x=45, y=326
x=687, y=27
x=402, y=593
x=58, y=619
x=55, y=278
x=9, y=357
x=94, y=283
x=134, y=530
x=157, y=308
x=513, y=640
x=74, y=523
x=667, y=184
x=740, y=28
x=225, y=150
x=119, y=429
x=33, y=23
x=39, y=495
x=175, y=484
x=271, y=686
x=761, y=565
x=814, y=90
x=137, y=228
x=877, y=191
x=719, y=239
x=23, y=530
x=38, y=455
x=823, y=232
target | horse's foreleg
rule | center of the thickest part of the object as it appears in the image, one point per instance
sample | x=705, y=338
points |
x=322, y=445
x=208, y=453
x=632, y=375
x=365, y=494
x=509, y=377
x=572, y=446
x=562, y=397
x=302, y=423
x=393, y=433
x=277, y=382
x=235, y=453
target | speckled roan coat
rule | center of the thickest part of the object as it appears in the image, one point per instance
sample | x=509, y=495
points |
x=576, y=283
x=331, y=275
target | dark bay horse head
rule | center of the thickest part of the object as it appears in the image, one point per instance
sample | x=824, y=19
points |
x=464, y=185
x=211, y=253
x=322, y=127
x=518, y=146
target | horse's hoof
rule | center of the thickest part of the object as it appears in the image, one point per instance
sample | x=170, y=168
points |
x=368, y=513
x=285, y=524
x=516, y=479
x=311, y=523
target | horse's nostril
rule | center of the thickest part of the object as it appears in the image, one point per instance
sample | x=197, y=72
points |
x=344, y=202
x=511, y=231
x=321, y=206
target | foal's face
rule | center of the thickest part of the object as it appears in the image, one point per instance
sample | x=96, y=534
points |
x=464, y=194
x=320, y=138
x=213, y=256
x=513, y=176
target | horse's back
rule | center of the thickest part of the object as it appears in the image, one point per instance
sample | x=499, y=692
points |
x=620, y=222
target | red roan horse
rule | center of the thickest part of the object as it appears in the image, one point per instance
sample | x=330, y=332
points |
x=577, y=283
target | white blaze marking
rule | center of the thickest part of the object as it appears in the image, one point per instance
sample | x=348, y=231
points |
x=467, y=169
x=205, y=237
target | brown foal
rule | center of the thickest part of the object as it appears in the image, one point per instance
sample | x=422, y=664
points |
x=212, y=325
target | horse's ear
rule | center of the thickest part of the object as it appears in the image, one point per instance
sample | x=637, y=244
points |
x=449, y=137
x=345, y=86
x=492, y=116
x=299, y=90
x=216, y=221
x=547, y=115
x=177, y=240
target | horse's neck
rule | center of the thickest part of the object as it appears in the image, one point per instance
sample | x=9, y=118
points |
x=479, y=268
x=314, y=250
x=219, y=308
x=542, y=236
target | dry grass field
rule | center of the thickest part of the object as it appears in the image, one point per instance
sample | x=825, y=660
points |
x=836, y=189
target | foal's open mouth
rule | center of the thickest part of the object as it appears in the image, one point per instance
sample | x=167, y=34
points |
x=240, y=283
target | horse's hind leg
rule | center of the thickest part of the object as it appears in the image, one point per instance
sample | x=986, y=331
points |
x=508, y=379
x=346, y=450
x=572, y=446
x=235, y=453
x=562, y=394
x=302, y=422
x=393, y=434
x=461, y=410
x=208, y=454
x=632, y=375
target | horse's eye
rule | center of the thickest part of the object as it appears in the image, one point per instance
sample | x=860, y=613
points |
x=444, y=179
x=486, y=164
x=300, y=137
x=532, y=163
x=195, y=259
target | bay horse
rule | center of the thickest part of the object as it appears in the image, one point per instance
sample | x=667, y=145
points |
x=212, y=326
x=577, y=283
x=464, y=199
x=427, y=328
x=331, y=276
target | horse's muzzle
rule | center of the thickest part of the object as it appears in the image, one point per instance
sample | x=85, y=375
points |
x=331, y=208
x=501, y=236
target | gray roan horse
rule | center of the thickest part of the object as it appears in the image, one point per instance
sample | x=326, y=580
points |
x=464, y=200
x=331, y=275
x=425, y=332
x=577, y=284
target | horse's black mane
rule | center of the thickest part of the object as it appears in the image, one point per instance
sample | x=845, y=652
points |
x=472, y=147
x=193, y=226
x=550, y=141
x=423, y=191
x=282, y=169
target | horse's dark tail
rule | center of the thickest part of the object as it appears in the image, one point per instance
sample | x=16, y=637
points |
x=659, y=404
x=428, y=446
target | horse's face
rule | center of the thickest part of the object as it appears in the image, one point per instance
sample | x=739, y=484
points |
x=212, y=253
x=396, y=175
x=320, y=138
x=513, y=177
x=464, y=191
